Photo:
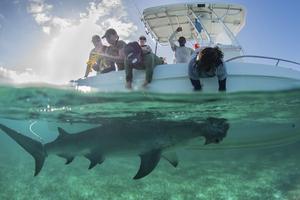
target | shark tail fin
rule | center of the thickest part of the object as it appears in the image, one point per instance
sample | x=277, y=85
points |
x=35, y=148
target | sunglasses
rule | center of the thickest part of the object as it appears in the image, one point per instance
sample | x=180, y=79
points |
x=142, y=38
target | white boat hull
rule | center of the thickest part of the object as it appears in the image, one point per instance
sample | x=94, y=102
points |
x=173, y=78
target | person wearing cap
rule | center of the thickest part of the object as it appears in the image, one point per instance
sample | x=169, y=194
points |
x=182, y=53
x=145, y=48
x=149, y=61
x=115, y=50
x=96, y=61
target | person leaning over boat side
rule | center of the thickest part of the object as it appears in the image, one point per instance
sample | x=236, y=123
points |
x=115, y=52
x=96, y=61
x=182, y=53
x=208, y=63
x=141, y=59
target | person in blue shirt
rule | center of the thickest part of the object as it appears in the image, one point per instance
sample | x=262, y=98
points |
x=207, y=63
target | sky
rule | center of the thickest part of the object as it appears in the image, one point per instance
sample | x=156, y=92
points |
x=50, y=40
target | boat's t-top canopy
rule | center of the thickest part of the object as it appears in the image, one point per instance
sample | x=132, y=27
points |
x=207, y=23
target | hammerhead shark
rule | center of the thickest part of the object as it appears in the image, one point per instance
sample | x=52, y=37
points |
x=151, y=140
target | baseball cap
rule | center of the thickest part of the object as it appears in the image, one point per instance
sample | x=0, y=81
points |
x=109, y=32
x=142, y=37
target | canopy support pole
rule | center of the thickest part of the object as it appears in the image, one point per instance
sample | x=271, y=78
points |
x=199, y=20
x=230, y=34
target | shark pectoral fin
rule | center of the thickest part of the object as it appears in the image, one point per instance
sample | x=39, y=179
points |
x=92, y=164
x=68, y=158
x=95, y=158
x=148, y=163
x=101, y=161
x=171, y=157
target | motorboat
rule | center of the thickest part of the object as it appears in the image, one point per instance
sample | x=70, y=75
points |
x=208, y=24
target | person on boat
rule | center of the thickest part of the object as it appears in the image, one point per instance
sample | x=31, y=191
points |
x=182, y=53
x=115, y=52
x=207, y=63
x=96, y=62
x=141, y=58
x=197, y=48
x=145, y=48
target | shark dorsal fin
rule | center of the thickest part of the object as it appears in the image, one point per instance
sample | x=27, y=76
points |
x=62, y=132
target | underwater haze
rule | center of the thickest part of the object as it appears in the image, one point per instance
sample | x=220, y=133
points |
x=258, y=158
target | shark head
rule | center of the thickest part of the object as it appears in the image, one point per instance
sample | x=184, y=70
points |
x=216, y=130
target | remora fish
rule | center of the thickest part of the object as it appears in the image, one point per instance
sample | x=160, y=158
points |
x=148, y=139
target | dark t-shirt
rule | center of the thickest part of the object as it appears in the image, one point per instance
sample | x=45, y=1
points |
x=114, y=51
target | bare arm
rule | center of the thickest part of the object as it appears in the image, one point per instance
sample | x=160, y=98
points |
x=87, y=71
x=88, y=68
x=121, y=54
x=108, y=57
x=171, y=41
x=171, y=38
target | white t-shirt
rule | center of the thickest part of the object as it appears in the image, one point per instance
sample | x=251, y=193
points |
x=182, y=54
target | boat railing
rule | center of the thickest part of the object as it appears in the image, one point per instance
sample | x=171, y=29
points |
x=278, y=60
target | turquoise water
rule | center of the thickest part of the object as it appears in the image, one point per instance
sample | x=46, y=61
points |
x=258, y=159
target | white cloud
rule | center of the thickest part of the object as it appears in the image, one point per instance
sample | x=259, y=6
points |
x=38, y=6
x=11, y=76
x=60, y=22
x=41, y=12
x=42, y=18
x=46, y=29
x=110, y=13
